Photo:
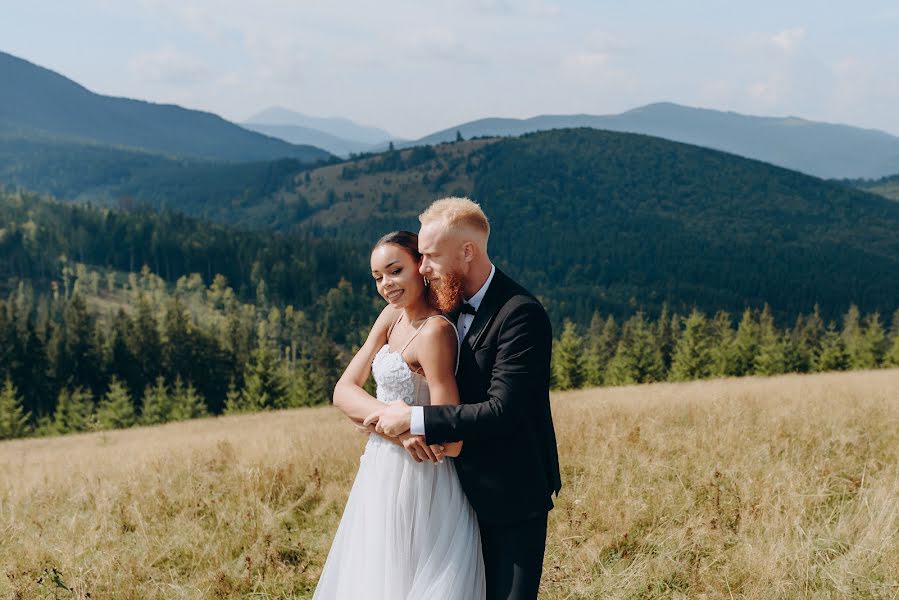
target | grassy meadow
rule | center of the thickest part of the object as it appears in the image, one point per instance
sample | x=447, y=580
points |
x=785, y=487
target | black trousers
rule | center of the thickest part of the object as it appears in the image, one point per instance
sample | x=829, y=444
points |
x=513, y=558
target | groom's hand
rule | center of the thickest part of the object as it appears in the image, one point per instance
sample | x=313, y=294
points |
x=393, y=420
x=420, y=451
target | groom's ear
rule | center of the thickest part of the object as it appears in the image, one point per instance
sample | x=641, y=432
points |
x=468, y=251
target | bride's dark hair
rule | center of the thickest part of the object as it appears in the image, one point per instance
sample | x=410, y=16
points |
x=406, y=240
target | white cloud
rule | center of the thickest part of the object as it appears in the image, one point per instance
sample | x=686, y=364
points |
x=585, y=63
x=529, y=8
x=788, y=40
x=438, y=44
x=168, y=65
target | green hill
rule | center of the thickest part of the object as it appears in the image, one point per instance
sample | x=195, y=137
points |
x=35, y=101
x=587, y=219
x=600, y=219
x=888, y=187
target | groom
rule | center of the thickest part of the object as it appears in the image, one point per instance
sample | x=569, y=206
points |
x=509, y=466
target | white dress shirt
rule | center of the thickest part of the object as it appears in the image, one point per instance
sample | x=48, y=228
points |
x=463, y=324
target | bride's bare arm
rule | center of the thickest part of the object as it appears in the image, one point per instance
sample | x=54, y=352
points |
x=437, y=352
x=349, y=396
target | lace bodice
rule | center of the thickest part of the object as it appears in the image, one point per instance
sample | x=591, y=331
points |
x=396, y=381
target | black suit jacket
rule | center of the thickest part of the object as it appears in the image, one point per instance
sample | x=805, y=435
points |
x=509, y=465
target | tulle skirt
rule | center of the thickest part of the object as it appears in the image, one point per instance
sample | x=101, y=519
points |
x=407, y=533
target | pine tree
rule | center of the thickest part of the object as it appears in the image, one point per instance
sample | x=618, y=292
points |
x=145, y=344
x=805, y=342
x=833, y=355
x=875, y=339
x=116, y=410
x=692, y=357
x=298, y=385
x=74, y=411
x=14, y=421
x=892, y=356
x=178, y=356
x=771, y=358
x=746, y=344
x=263, y=386
x=602, y=340
x=157, y=404
x=637, y=358
x=233, y=399
x=324, y=370
x=861, y=354
x=120, y=361
x=186, y=403
x=666, y=331
x=568, y=358
x=722, y=351
x=74, y=360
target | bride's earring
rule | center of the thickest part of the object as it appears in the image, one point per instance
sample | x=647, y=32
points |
x=427, y=282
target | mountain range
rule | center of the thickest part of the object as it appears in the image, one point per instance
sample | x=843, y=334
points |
x=822, y=149
x=338, y=136
x=38, y=103
x=586, y=218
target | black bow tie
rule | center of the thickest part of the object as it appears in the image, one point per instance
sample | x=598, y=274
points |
x=466, y=309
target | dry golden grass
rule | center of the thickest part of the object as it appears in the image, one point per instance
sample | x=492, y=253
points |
x=759, y=488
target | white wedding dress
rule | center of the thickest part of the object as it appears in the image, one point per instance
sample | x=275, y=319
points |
x=408, y=531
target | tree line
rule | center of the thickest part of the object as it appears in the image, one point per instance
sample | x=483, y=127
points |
x=680, y=348
x=106, y=350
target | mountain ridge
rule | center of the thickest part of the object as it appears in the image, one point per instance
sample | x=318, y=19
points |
x=340, y=127
x=824, y=150
x=36, y=101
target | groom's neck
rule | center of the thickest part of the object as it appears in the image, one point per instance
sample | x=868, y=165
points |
x=477, y=276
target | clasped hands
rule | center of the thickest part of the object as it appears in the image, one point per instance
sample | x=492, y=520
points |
x=394, y=421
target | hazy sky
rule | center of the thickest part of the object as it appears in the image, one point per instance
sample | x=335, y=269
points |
x=416, y=66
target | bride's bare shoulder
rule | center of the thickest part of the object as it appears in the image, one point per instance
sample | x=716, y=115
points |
x=386, y=319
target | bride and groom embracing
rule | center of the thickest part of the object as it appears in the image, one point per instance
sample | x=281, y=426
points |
x=454, y=488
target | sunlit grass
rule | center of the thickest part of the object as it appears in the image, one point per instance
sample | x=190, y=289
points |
x=760, y=488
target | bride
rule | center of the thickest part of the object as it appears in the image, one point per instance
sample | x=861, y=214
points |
x=407, y=531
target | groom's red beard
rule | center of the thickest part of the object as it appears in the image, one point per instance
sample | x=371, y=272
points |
x=446, y=293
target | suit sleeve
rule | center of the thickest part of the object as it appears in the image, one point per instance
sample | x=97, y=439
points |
x=522, y=362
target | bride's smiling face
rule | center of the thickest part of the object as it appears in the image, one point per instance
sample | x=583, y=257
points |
x=396, y=275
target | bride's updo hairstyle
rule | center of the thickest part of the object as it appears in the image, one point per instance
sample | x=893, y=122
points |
x=406, y=240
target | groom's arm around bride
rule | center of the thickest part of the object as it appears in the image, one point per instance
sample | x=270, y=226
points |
x=509, y=464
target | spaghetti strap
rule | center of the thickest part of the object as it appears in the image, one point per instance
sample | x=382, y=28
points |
x=458, y=344
x=458, y=347
x=412, y=337
x=395, y=323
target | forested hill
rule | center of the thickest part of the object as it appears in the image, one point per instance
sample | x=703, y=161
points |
x=587, y=219
x=600, y=219
x=888, y=187
x=38, y=238
x=35, y=101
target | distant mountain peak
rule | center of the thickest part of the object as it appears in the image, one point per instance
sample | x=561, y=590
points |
x=339, y=127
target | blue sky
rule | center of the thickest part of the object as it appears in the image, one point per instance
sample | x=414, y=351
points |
x=416, y=66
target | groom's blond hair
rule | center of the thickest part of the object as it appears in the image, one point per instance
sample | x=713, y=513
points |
x=459, y=213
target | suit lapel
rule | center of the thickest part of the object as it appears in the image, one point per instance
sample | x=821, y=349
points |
x=486, y=311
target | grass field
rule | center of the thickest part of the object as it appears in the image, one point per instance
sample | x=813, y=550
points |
x=785, y=487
